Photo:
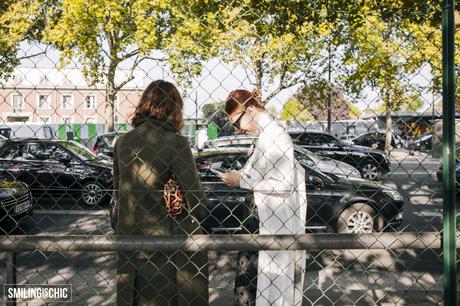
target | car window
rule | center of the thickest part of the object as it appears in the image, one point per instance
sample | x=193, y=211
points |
x=14, y=151
x=57, y=153
x=81, y=151
x=36, y=151
x=325, y=140
x=222, y=163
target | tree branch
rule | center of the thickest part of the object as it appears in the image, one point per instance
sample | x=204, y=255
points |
x=281, y=84
x=33, y=55
x=129, y=55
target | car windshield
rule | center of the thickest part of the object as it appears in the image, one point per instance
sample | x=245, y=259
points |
x=313, y=157
x=81, y=151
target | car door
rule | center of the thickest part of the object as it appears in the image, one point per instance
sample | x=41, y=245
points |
x=319, y=211
x=59, y=164
x=228, y=209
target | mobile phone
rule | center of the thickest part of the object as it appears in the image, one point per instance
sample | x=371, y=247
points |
x=216, y=172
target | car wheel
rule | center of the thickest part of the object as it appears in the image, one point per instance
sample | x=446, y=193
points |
x=359, y=218
x=92, y=193
x=370, y=171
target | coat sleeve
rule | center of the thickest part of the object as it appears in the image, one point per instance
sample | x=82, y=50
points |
x=271, y=168
x=184, y=169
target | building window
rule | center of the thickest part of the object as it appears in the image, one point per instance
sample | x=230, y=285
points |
x=67, y=102
x=43, y=102
x=90, y=120
x=90, y=102
x=67, y=120
x=17, y=118
x=44, y=119
x=18, y=102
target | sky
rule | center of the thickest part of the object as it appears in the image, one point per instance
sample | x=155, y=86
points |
x=215, y=82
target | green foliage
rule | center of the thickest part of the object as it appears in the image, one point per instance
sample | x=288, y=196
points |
x=294, y=110
x=277, y=44
x=20, y=20
x=103, y=34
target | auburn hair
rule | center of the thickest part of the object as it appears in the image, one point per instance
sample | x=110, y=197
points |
x=161, y=101
x=244, y=98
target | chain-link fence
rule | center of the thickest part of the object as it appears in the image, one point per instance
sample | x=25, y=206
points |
x=319, y=182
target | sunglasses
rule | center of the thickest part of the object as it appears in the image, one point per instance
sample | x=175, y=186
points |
x=236, y=124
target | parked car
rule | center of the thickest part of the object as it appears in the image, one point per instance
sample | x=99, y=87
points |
x=105, y=142
x=376, y=140
x=423, y=143
x=334, y=203
x=323, y=164
x=347, y=138
x=57, y=167
x=15, y=202
x=370, y=162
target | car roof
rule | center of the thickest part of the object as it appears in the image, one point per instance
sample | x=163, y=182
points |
x=30, y=139
x=221, y=150
x=111, y=133
x=307, y=131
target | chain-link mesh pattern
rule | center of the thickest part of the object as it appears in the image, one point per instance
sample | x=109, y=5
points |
x=352, y=98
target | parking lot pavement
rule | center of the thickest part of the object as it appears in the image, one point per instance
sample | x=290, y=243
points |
x=417, y=156
x=332, y=277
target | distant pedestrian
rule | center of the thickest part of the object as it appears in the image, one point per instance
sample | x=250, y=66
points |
x=145, y=158
x=278, y=183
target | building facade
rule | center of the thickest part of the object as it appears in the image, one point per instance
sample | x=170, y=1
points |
x=63, y=96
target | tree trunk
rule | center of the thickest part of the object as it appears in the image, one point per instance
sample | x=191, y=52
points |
x=110, y=94
x=389, y=130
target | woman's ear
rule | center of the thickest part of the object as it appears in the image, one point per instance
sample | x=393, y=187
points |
x=251, y=109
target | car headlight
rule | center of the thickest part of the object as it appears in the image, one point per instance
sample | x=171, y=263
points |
x=393, y=194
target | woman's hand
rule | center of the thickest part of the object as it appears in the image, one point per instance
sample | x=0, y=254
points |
x=231, y=178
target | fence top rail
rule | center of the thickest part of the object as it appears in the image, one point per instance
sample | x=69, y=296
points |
x=310, y=242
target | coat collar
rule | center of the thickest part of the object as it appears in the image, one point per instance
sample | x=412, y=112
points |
x=154, y=122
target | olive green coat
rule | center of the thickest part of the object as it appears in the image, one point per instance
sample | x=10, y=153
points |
x=144, y=159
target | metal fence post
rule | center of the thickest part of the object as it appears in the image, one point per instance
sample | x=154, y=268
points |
x=11, y=276
x=448, y=86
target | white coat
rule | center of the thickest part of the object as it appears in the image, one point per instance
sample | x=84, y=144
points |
x=278, y=183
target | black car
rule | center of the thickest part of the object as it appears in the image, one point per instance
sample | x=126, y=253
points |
x=334, y=203
x=370, y=162
x=15, y=201
x=57, y=167
x=376, y=140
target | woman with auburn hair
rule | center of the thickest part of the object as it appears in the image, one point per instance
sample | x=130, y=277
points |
x=278, y=183
x=145, y=159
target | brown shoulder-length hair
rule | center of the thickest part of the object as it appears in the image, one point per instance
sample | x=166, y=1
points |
x=244, y=98
x=161, y=101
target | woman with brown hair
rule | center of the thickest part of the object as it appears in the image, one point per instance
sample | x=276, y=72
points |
x=278, y=183
x=145, y=158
